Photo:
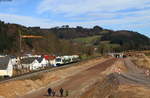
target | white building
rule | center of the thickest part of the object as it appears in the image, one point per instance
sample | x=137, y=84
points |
x=6, y=66
x=30, y=63
x=43, y=62
x=52, y=62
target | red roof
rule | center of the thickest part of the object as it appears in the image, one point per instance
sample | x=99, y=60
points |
x=47, y=57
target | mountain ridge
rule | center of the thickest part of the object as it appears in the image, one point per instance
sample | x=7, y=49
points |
x=57, y=36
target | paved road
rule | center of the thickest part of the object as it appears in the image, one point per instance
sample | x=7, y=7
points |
x=77, y=82
x=134, y=74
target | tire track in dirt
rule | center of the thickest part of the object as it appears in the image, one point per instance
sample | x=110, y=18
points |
x=134, y=75
x=108, y=87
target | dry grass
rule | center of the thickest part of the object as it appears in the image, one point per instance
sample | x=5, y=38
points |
x=109, y=88
x=102, y=89
x=36, y=77
x=133, y=91
x=142, y=61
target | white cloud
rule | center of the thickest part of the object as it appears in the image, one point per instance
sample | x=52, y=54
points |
x=86, y=13
x=46, y=23
x=73, y=7
x=99, y=12
x=29, y=21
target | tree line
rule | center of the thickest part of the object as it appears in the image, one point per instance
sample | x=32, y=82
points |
x=59, y=40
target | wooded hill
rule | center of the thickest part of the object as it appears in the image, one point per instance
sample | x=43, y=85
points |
x=65, y=40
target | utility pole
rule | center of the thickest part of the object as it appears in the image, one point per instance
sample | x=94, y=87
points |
x=20, y=47
x=20, y=41
x=21, y=37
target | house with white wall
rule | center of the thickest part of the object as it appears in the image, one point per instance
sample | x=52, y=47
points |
x=30, y=63
x=6, y=66
x=43, y=62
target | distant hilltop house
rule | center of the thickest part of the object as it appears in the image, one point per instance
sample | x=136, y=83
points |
x=6, y=66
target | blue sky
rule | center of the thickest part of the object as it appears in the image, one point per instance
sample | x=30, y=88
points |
x=111, y=14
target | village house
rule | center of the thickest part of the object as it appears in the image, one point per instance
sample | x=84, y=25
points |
x=43, y=62
x=30, y=63
x=6, y=66
x=51, y=59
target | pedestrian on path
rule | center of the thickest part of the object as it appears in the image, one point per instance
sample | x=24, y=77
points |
x=49, y=91
x=53, y=93
x=61, y=92
x=67, y=93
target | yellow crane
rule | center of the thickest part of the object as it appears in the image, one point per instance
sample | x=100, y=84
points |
x=31, y=36
x=26, y=37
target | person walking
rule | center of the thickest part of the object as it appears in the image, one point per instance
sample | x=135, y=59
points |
x=49, y=91
x=53, y=93
x=61, y=92
x=67, y=93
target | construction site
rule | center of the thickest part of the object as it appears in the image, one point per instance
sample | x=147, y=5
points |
x=101, y=77
x=74, y=49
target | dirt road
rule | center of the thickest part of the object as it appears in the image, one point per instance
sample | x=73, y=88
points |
x=101, y=79
x=77, y=83
x=134, y=75
x=133, y=83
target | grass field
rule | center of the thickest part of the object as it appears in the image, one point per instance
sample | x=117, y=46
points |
x=142, y=61
x=87, y=40
x=91, y=40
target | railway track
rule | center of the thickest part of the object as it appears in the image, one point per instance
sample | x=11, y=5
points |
x=28, y=75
